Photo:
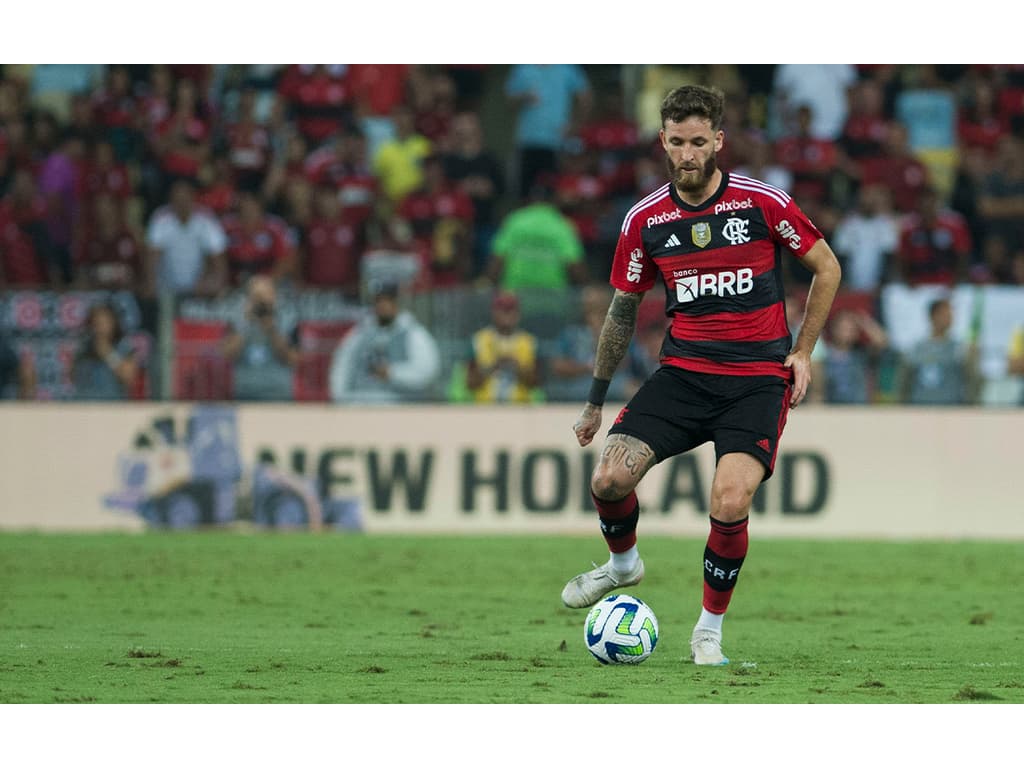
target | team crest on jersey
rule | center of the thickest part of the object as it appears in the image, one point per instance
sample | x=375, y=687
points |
x=700, y=233
x=737, y=230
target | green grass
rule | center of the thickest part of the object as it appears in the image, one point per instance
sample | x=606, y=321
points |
x=235, y=617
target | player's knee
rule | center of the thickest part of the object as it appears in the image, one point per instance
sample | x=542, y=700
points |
x=730, y=502
x=610, y=484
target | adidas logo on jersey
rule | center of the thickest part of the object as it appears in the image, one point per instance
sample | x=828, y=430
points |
x=672, y=242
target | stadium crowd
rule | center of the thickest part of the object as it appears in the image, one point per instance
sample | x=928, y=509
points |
x=485, y=198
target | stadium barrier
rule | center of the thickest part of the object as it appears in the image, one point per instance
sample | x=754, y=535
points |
x=885, y=472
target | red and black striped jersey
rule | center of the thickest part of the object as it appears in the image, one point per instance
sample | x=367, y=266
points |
x=721, y=265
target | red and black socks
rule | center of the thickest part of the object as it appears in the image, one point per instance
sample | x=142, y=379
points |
x=723, y=557
x=618, y=526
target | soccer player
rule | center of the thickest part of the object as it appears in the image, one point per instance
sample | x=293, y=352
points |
x=729, y=370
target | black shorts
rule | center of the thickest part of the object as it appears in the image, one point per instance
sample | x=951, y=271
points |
x=677, y=410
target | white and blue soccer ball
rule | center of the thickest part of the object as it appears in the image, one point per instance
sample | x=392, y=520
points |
x=621, y=629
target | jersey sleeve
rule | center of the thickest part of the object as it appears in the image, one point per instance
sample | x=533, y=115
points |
x=632, y=269
x=790, y=227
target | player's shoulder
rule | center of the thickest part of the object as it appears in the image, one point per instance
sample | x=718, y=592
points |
x=762, y=191
x=646, y=204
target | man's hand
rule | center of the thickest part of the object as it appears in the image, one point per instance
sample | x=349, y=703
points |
x=587, y=424
x=800, y=363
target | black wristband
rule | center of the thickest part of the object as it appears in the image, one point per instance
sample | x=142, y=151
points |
x=598, y=389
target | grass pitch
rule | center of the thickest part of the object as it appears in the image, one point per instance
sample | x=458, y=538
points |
x=235, y=617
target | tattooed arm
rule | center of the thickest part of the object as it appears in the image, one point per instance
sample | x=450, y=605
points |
x=619, y=325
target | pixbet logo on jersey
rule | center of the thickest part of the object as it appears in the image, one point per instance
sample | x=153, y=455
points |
x=725, y=283
x=663, y=218
x=734, y=205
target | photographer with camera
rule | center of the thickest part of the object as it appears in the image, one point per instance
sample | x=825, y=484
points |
x=262, y=351
x=389, y=357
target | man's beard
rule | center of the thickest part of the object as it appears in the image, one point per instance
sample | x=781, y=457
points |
x=690, y=181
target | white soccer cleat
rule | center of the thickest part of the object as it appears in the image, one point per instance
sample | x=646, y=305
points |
x=706, y=647
x=586, y=589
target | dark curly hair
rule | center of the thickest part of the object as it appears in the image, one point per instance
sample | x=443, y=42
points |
x=706, y=102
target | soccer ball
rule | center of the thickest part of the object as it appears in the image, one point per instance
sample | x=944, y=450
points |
x=621, y=629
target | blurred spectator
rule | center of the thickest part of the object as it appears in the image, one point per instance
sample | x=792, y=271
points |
x=298, y=207
x=864, y=133
x=537, y=247
x=571, y=365
x=1017, y=267
x=104, y=174
x=866, y=240
x=440, y=218
x=1015, y=359
x=331, y=247
x=938, y=370
x=979, y=125
x=822, y=87
x=738, y=121
x=994, y=265
x=157, y=98
x=376, y=90
x=477, y=171
x=318, y=98
x=24, y=238
x=104, y=367
x=117, y=113
x=550, y=100
x=935, y=244
x=248, y=144
x=15, y=149
x=182, y=142
x=218, y=193
x=51, y=86
x=898, y=168
x=1001, y=200
x=17, y=373
x=855, y=341
x=811, y=160
x=580, y=194
x=398, y=162
x=258, y=243
x=470, y=81
x=342, y=164
x=108, y=255
x=648, y=175
x=287, y=168
x=389, y=357
x=762, y=164
x=927, y=107
x=435, y=109
x=185, y=246
x=968, y=183
x=612, y=138
x=503, y=365
x=60, y=179
x=263, y=351
x=45, y=135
